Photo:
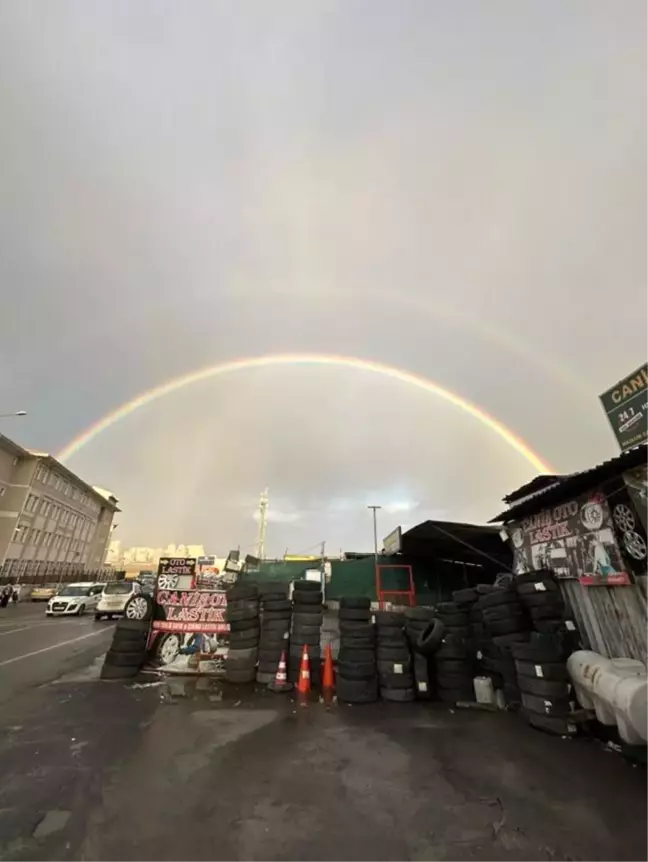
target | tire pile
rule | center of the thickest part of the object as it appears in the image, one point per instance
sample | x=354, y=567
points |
x=504, y=624
x=455, y=659
x=276, y=614
x=242, y=614
x=307, y=614
x=417, y=620
x=395, y=675
x=357, y=672
x=539, y=592
x=127, y=653
x=544, y=683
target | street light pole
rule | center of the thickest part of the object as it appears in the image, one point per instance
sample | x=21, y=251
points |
x=374, y=509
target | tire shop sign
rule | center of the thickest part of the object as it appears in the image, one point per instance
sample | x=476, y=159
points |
x=626, y=406
x=574, y=539
x=191, y=611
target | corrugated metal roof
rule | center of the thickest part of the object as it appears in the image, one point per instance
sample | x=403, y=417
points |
x=573, y=483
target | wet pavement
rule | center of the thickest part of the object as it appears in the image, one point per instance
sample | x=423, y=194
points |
x=199, y=770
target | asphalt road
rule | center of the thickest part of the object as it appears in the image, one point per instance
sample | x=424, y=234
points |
x=199, y=770
x=35, y=649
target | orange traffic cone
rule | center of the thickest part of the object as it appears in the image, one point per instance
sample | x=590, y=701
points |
x=304, y=684
x=280, y=682
x=328, y=681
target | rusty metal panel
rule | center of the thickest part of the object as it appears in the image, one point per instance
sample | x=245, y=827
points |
x=612, y=620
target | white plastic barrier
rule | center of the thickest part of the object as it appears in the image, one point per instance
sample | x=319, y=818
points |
x=616, y=689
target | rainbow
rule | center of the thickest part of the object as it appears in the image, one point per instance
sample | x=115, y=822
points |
x=234, y=365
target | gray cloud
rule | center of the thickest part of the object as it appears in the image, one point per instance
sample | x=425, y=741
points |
x=455, y=189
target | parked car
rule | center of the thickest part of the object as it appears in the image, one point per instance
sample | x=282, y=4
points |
x=114, y=596
x=74, y=599
x=44, y=593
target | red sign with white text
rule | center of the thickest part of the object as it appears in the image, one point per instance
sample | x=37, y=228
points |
x=192, y=611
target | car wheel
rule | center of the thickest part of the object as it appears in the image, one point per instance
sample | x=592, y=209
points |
x=81, y=610
x=168, y=648
x=98, y=617
x=139, y=607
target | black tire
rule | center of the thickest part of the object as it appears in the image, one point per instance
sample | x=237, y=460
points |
x=451, y=665
x=251, y=612
x=554, y=627
x=532, y=577
x=465, y=597
x=355, y=602
x=240, y=677
x=509, y=626
x=506, y=641
x=501, y=612
x=244, y=640
x=133, y=626
x=240, y=591
x=277, y=605
x=307, y=587
x=276, y=625
x=448, y=608
x=99, y=617
x=356, y=656
x=398, y=695
x=129, y=644
x=389, y=619
x=460, y=632
x=244, y=625
x=540, y=600
x=421, y=615
x=392, y=653
x=485, y=589
x=454, y=620
x=272, y=654
x=498, y=597
x=550, y=723
x=307, y=599
x=276, y=615
x=392, y=667
x=357, y=691
x=553, y=611
x=359, y=670
x=539, y=653
x=549, y=688
x=308, y=616
x=357, y=630
x=274, y=589
x=125, y=659
x=457, y=650
x=546, y=706
x=139, y=601
x=362, y=615
x=295, y=653
x=548, y=670
x=265, y=677
x=301, y=640
x=397, y=639
x=429, y=640
x=395, y=680
x=358, y=643
x=243, y=605
x=455, y=680
x=542, y=587
x=111, y=671
x=306, y=631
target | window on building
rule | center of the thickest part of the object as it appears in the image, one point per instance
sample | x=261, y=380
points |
x=19, y=533
x=47, y=539
x=35, y=537
x=26, y=537
x=30, y=504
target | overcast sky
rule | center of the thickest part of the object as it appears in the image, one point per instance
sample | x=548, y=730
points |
x=456, y=189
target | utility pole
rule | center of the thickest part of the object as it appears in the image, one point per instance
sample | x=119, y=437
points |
x=375, y=530
x=323, y=570
x=263, y=520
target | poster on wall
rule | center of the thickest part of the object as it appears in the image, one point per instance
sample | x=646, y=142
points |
x=574, y=540
x=189, y=632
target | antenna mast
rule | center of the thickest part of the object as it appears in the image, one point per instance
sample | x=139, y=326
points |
x=263, y=521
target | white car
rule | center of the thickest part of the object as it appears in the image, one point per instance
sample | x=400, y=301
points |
x=114, y=597
x=74, y=599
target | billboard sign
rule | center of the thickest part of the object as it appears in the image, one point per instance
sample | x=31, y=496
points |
x=392, y=542
x=626, y=407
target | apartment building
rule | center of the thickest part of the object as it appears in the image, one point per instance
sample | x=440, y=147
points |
x=48, y=514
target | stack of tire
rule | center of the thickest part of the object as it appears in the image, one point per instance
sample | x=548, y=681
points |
x=128, y=650
x=540, y=594
x=307, y=614
x=505, y=623
x=357, y=673
x=242, y=614
x=395, y=673
x=276, y=614
x=417, y=620
x=544, y=683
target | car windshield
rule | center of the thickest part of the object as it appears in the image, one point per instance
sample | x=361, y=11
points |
x=74, y=591
x=118, y=588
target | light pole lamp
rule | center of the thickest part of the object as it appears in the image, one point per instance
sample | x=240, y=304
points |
x=11, y=415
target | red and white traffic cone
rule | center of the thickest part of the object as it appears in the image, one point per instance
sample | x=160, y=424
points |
x=304, y=684
x=280, y=682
